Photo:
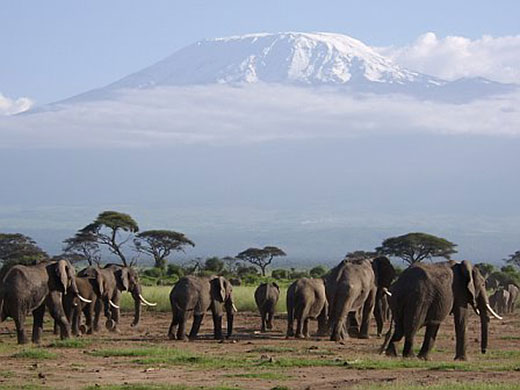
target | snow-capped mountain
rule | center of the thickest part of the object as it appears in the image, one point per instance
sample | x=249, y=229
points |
x=303, y=59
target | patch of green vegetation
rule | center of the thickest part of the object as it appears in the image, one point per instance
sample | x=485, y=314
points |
x=6, y=374
x=280, y=388
x=287, y=362
x=71, y=343
x=34, y=353
x=268, y=375
x=468, y=385
x=149, y=386
x=273, y=349
x=509, y=338
x=28, y=386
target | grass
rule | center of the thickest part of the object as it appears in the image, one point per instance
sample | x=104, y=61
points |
x=71, y=343
x=34, y=353
x=244, y=297
x=467, y=385
x=149, y=386
x=267, y=375
x=28, y=386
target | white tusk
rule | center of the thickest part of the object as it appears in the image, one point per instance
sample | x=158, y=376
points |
x=146, y=302
x=84, y=299
x=234, y=307
x=385, y=290
x=113, y=304
x=477, y=311
x=493, y=312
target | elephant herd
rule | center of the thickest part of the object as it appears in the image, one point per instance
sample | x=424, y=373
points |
x=503, y=300
x=343, y=301
x=422, y=296
x=54, y=285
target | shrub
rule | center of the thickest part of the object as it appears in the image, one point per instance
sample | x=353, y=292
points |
x=153, y=272
x=214, y=264
x=175, y=269
x=280, y=274
x=318, y=271
x=244, y=270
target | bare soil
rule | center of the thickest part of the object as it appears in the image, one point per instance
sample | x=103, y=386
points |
x=76, y=368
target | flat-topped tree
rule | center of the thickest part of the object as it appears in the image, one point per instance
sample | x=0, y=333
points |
x=82, y=246
x=108, y=228
x=360, y=255
x=160, y=244
x=514, y=259
x=415, y=247
x=16, y=248
x=261, y=257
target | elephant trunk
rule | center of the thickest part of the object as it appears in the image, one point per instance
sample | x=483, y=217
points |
x=230, y=315
x=137, y=307
x=484, y=324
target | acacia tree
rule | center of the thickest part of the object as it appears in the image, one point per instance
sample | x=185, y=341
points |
x=16, y=248
x=415, y=247
x=514, y=259
x=112, y=229
x=160, y=244
x=360, y=255
x=82, y=246
x=261, y=257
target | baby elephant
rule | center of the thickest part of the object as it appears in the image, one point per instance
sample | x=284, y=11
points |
x=266, y=297
x=306, y=299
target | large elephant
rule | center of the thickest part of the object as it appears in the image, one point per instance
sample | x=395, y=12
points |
x=306, y=299
x=513, y=297
x=425, y=294
x=115, y=279
x=266, y=298
x=499, y=300
x=29, y=289
x=194, y=296
x=353, y=285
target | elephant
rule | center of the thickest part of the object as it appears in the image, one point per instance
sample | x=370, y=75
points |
x=29, y=289
x=306, y=299
x=513, y=296
x=195, y=295
x=115, y=279
x=266, y=298
x=353, y=285
x=499, y=300
x=424, y=295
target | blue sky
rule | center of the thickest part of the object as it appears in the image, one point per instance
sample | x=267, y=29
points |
x=54, y=49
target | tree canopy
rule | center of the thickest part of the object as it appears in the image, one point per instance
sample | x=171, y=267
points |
x=82, y=246
x=415, y=247
x=16, y=248
x=514, y=259
x=261, y=257
x=107, y=229
x=360, y=255
x=160, y=244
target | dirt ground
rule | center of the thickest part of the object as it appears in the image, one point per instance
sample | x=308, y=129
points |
x=260, y=361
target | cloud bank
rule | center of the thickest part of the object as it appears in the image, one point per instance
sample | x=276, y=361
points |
x=258, y=113
x=14, y=106
x=453, y=57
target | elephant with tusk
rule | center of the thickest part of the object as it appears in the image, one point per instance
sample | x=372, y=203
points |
x=29, y=289
x=114, y=280
x=424, y=295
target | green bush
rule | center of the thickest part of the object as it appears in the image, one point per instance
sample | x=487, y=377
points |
x=244, y=270
x=174, y=269
x=280, y=274
x=214, y=264
x=318, y=271
x=153, y=272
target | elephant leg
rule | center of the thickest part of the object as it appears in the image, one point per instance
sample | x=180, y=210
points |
x=299, y=328
x=19, y=321
x=173, y=324
x=75, y=320
x=181, y=330
x=368, y=308
x=54, y=304
x=217, y=327
x=396, y=337
x=322, y=323
x=116, y=312
x=38, y=315
x=408, y=345
x=195, y=327
x=460, y=316
x=306, y=333
x=290, y=322
x=379, y=314
x=55, y=329
x=270, y=316
x=88, y=311
x=429, y=340
x=264, y=316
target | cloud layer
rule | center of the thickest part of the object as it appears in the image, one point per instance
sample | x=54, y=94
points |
x=258, y=113
x=452, y=57
x=14, y=106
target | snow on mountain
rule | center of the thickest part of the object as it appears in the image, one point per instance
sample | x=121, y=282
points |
x=302, y=59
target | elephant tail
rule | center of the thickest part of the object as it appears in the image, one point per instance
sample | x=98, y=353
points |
x=2, y=314
x=387, y=336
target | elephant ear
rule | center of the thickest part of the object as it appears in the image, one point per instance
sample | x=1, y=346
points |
x=384, y=271
x=276, y=286
x=62, y=272
x=467, y=280
x=100, y=282
x=122, y=279
x=219, y=288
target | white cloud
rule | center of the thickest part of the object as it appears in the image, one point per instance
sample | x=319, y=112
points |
x=452, y=57
x=10, y=107
x=259, y=113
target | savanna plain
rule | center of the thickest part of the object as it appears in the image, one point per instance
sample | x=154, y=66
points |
x=144, y=358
